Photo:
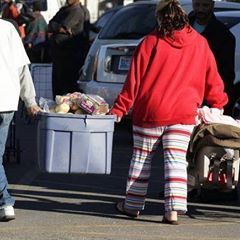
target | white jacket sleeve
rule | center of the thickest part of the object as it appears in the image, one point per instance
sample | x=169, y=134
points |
x=27, y=90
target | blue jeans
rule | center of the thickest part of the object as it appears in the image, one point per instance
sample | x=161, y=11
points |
x=5, y=197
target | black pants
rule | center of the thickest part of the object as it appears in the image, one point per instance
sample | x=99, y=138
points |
x=65, y=72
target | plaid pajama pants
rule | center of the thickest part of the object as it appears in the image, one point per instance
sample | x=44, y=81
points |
x=175, y=140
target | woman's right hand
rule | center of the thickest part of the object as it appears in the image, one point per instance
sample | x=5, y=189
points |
x=117, y=118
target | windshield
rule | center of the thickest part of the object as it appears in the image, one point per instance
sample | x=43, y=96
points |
x=132, y=22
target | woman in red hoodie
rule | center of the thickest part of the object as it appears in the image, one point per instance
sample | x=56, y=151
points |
x=172, y=72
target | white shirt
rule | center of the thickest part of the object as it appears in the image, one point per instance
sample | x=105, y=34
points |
x=12, y=58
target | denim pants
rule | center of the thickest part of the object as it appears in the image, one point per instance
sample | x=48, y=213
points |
x=5, y=197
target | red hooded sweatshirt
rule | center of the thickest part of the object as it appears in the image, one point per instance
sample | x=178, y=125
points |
x=168, y=80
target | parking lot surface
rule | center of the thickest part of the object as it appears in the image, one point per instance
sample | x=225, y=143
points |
x=69, y=207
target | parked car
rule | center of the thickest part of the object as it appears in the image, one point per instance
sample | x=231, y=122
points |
x=108, y=59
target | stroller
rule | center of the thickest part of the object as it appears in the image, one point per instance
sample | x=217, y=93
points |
x=213, y=159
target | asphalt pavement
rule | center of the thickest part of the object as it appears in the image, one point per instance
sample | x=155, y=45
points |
x=79, y=207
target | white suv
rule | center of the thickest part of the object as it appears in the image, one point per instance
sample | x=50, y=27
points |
x=109, y=57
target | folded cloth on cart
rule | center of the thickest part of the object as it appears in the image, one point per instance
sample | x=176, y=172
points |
x=214, y=115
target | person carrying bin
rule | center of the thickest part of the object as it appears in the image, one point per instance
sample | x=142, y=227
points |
x=15, y=82
x=171, y=72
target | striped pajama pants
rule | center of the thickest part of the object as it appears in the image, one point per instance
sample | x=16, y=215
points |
x=175, y=140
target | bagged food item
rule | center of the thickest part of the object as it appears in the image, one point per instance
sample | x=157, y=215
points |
x=73, y=99
x=62, y=99
x=62, y=108
x=62, y=104
x=76, y=103
x=93, y=104
x=47, y=105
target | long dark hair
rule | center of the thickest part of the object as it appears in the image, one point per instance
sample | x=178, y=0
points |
x=170, y=18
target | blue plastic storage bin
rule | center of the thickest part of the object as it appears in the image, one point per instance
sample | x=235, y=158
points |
x=72, y=143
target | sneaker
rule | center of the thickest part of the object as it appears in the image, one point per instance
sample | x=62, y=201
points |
x=7, y=213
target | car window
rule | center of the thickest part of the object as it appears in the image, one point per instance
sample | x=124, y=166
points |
x=223, y=9
x=132, y=22
x=104, y=19
x=229, y=21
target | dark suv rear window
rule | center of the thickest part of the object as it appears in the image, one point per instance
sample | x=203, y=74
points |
x=132, y=22
x=229, y=21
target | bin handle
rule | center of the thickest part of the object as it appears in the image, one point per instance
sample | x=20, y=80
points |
x=85, y=120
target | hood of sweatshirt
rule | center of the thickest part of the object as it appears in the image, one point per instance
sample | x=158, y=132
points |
x=182, y=38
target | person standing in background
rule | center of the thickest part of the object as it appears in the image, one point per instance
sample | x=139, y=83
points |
x=171, y=72
x=66, y=44
x=222, y=43
x=16, y=81
x=10, y=11
x=35, y=41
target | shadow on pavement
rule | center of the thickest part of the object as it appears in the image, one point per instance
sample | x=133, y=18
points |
x=96, y=195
